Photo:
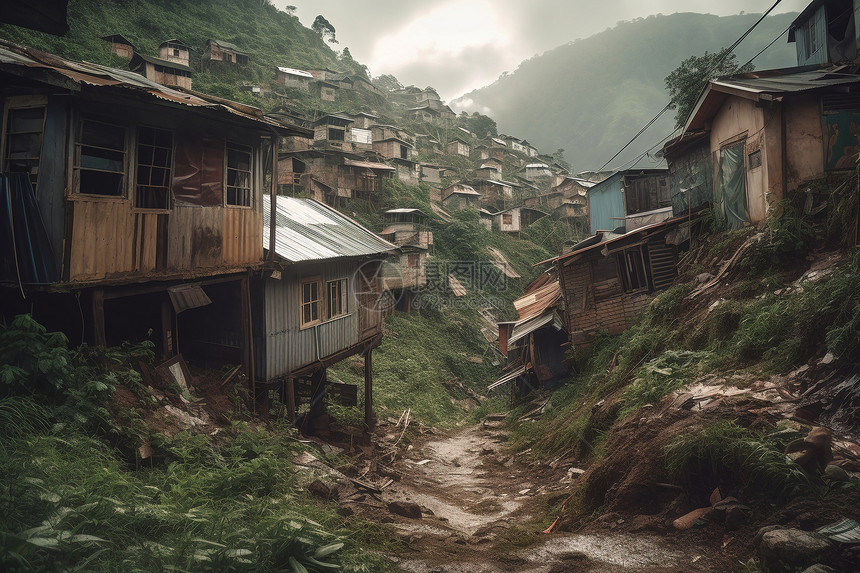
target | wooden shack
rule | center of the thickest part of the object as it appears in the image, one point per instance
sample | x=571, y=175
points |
x=221, y=51
x=458, y=146
x=607, y=279
x=149, y=202
x=164, y=72
x=175, y=51
x=318, y=305
x=293, y=78
x=408, y=229
x=333, y=131
x=460, y=196
x=120, y=45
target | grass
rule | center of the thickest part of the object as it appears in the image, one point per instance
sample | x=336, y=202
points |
x=728, y=455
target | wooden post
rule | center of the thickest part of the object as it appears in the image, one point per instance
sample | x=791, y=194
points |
x=291, y=399
x=99, y=334
x=248, y=338
x=273, y=203
x=368, y=388
x=166, y=329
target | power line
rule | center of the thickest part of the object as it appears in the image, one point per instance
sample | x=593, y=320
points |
x=725, y=55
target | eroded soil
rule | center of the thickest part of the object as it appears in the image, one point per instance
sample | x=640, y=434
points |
x=483, y=510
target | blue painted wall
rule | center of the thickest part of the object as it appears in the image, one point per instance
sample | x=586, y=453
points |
x=605, y=201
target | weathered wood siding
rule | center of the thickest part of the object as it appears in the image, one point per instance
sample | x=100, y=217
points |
x=593, y=306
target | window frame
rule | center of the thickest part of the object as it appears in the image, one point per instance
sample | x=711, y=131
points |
x=316, y=281
x=241, y=148
x=170, y=172
x=342, y=302
x=77, y=169
x=17, y=103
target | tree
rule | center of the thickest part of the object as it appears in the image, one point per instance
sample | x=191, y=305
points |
x=481, y=125
x=687, y=81
x=387, y=82
x=291, y=10
x=324, y=28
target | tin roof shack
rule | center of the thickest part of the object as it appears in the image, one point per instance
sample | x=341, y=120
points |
x=393, y=147
x=460, y=196
x=408, y=229
x=826, y=31
x=607, y=279
x=536, y=342
x=630, y=199
x=488, y=171
x=150, y=201
x=423, y=113
x=319, y=305
x=293, y=78
x=516, y=219
x=168, y=73
x=340, y=177
x=498, y=194
x=120, y=46
x=458, y=146
x=535, y=171
x=772, y=131
x=691, y=183
x=326, y=91
x=333, y=132
x=221, y=51
x=364, y=120
x=175, y=51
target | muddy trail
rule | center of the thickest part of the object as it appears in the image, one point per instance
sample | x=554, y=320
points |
x=472, y=507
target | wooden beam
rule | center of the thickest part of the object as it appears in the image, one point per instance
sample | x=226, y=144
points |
x=368, y=388
x=248, y=335
x=166, y=328
x=291, y=399
x=99, y=334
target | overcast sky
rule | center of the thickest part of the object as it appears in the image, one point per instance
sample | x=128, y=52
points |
x=460, y=45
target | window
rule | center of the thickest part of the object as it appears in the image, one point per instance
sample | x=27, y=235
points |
x=175, y=51
x=412, y=261
x=154, y=162
x=632, y=265
x=336, y=298
x=755, y=159
x=238, y=175
x=310, y=303
x=100, y=159
x=24, y=127
x=507, y=219
x=404, y=154
x=335, y=134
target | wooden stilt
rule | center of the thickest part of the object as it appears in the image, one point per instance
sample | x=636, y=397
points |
x=368, y=388
x=291, y=399
x=99, y=334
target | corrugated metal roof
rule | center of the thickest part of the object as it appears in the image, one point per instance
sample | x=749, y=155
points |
x=160, y=62
x=229, y=46
x=524, y=328
x=509, y=377
x=462, y=189
x=538, y=301
x=403, y=210
x=30, y=62
x=307, y=230
x=368, y=164
x=295, y=72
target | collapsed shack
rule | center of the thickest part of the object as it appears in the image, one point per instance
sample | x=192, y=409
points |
x=318, y=302
x=535, y=343
x=608, y=279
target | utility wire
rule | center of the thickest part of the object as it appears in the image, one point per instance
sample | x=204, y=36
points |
x=726, y=53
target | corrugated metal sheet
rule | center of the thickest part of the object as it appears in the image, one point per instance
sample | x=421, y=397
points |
x=188, y=296
x=538, y=301
x=606, y=204
x=368, y=164
x=30, y=62
x=295, y=72
x=307, y=230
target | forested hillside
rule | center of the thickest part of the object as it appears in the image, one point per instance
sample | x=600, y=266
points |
x=591, y=96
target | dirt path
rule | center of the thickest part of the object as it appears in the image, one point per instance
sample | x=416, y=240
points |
x=482, y=509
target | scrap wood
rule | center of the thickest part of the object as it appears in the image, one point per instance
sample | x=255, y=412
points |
x=549, y=529
x=230, y=375
x=746, y=245
x=386, y=484
x=365, y=485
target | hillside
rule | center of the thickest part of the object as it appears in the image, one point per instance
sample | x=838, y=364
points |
x=591, y=96
x=271, y=38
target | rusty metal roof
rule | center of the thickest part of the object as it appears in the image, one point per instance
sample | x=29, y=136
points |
x=307, y=230
x=538, y=301
x=32, y=63
x=368, y=164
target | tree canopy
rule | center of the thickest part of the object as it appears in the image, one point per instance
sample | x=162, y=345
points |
x=686, y=82
x=387, y=82
x=324, y=28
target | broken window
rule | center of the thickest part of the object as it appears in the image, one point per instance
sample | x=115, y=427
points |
x=310, y=303
x=632, y=265
x=24, y=129
x=154, y=163
x=238, y=175
x=100, y=159
x=336, y=293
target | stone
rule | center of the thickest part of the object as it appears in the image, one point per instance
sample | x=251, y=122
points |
x=790, y=548
x=835, y=473
x=322, y=490
x=730, y=512
x=704, y=277
x=818, y=568
x=405, y=509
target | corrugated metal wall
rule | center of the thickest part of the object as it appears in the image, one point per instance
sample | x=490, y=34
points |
x=811, y=39
x=605, y=201
x=286, y=347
